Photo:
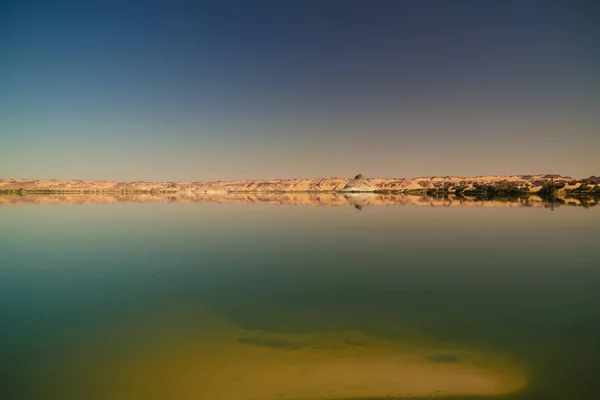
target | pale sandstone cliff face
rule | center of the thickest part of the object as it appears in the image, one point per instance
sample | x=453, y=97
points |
x=534, y=182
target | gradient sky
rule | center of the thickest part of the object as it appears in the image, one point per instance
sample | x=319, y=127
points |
x=192, y=90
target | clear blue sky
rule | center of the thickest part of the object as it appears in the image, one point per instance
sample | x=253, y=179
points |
x=194, y=90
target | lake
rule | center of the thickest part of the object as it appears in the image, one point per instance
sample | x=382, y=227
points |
x=247, y=297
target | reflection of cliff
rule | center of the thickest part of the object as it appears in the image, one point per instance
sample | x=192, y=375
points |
x=357, y=200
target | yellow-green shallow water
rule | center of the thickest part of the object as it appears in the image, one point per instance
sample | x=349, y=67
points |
x=248, y=302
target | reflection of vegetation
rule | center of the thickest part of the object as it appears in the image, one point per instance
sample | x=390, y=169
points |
x=18, y=192
x=583, y=200
x=394, y=191
x=551, y=202
x=523, y=200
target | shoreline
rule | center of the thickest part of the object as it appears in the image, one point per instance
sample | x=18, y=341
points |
x=496, y=185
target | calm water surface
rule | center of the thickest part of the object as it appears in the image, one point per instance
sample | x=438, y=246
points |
x=238, y=301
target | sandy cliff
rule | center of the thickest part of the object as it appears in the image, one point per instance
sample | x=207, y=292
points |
x=533, y=182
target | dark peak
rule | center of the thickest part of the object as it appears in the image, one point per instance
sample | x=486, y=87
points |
x=594, y=179
x=359, y=176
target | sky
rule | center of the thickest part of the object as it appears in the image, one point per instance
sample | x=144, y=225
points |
x=224, y=90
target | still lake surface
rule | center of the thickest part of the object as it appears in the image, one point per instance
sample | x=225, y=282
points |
x=186, y=300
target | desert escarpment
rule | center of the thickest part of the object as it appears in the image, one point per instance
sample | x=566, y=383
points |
x=532, y=183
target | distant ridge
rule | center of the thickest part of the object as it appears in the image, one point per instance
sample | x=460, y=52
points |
x=359, y=183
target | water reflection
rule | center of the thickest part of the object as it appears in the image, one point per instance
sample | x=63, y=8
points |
x=357, y=200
